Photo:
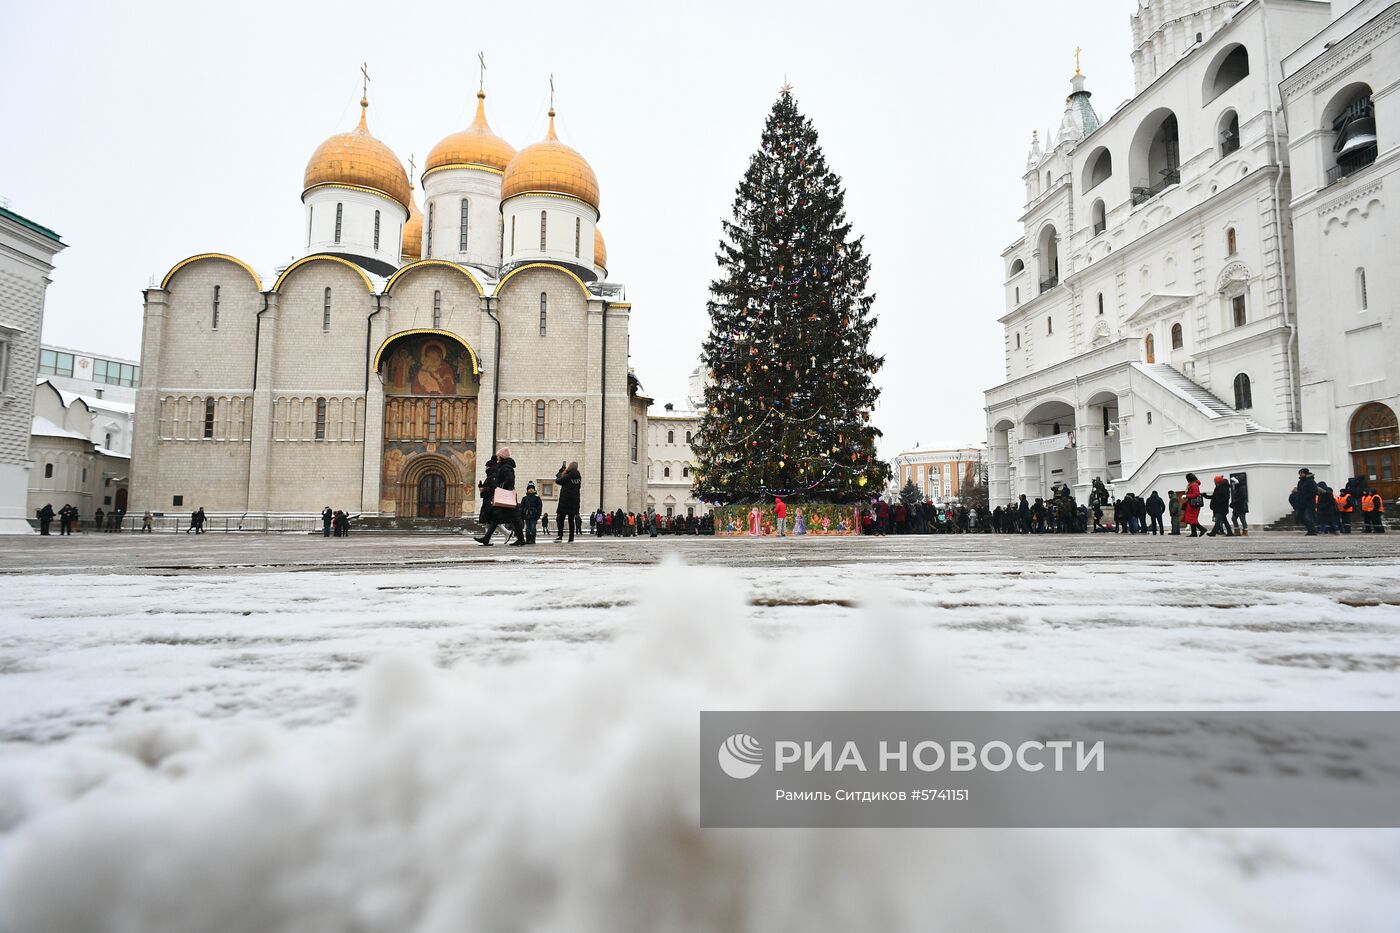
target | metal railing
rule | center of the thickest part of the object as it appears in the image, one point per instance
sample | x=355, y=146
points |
x=1355, y=163
x=1047, y=284
x=1142, y=194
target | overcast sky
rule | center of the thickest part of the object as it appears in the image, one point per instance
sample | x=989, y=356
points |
x=145, y=132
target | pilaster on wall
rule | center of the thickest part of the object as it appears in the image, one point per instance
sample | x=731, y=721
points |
x=374, y=412
x=619, y=406
x=592, y=493
x=145, y=444
x=260, y=460
x=486, y=407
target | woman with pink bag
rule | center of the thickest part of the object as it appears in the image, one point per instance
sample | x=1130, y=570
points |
x=500, y=478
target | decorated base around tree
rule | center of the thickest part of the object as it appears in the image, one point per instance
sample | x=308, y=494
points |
x=808, y=518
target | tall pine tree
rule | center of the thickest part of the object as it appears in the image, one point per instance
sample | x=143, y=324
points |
x=788, y=407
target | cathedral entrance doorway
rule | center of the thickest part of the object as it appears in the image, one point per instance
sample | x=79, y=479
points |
x=431, y=380
x=432, y=496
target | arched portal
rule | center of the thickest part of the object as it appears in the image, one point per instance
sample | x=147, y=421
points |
x=1375, y=448
x=430, y=486
x=431, y=379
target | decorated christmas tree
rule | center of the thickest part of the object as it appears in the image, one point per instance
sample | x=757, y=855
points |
x=791, y=375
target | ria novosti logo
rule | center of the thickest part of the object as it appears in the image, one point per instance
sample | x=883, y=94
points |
x=740, y=756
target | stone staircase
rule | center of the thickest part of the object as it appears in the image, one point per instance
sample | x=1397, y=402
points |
x=1179, y=384
x=419, y=526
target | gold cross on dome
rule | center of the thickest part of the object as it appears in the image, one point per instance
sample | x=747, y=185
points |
x=412, y=167
x=551, y=91
x=1077, y=50
x=364, y=70
x=481, y=57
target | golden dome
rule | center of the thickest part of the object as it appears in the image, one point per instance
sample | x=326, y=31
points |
x=553, y=168
x=412, y=249
x=357, y=158
x=600, y=250
x=474, y=146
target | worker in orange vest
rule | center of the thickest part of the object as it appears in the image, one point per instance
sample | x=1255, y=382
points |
x=1372, y=512
x=1344, y=510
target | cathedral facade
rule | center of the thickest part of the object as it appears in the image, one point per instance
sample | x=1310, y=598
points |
x=378, y=372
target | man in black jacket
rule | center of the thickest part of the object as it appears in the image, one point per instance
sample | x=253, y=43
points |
x=570, y=486
x=1220, y=508
x=1155, y=508
x=1307, y=499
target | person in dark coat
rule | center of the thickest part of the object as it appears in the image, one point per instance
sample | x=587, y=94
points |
x=1327, y=509
x=1140, y=514
x=1174, y=510
x=1220, y=508
x=1023, y=514
x=1239, y=506
x=1306, y=492
x=1155, y=508
x=65, y=520
x=531, y=508
x=487, y=489
x=570, y=484
x=45, y=516
x=500, y=476
x=326, y=516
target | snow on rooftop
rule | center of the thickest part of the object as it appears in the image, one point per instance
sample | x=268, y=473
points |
x=43, y=427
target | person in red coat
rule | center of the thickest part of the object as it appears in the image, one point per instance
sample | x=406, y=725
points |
x=1191, y=506
x=780, y=513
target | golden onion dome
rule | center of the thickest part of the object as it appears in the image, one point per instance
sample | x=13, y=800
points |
x=474, y=147
x=550, y=167
x=358, y=159
x=412, y=249
x=600, y=251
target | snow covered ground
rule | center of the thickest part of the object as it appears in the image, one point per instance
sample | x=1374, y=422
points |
x=251, y=734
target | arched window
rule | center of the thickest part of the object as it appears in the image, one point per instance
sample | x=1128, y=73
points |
x=437, y=310
x=1229, y=133
x=320, y=419
x=462, y=227
x=48, y=471
x=544, y=313
x=1244, y=397
x=326, y=311
x=1155, y=156
x=578, y=236
x=1352, y=117
x=209, y=417
x=1100, y=302
x=512, y=234
x=685, y=471
x=633, y=445
x=1098, y=217
x=1018, y=294
x=1362, y=301
x=107, y=440
x=376, y=230
x=539, y=420
x=1047, y=181
x=310, y=220
x=339, y=213
x=1231, y=243
x=1018, y=340
x=670, y=437
x=544, y=227
x=1016, y=267
x=1230, y=68
x=687, y=437
x=216, y=307
x=1178, y=340
x=665, y=472
x=432, y=222
x=1149, y=346
x=1049, y=258
x=1373, y=427
x=1049, y=325
x=1098, y=168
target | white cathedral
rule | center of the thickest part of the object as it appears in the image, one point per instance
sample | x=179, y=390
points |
x=379, y=371
x=1207, y=278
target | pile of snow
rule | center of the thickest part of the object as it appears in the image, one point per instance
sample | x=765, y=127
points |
x=560, y=793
